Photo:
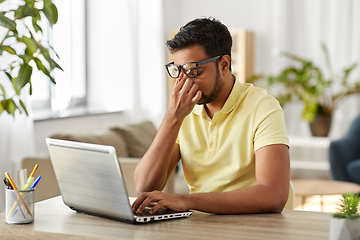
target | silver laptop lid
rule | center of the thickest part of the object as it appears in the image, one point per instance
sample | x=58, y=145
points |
x=90, y=178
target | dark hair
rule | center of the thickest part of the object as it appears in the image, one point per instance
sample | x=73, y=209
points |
x=209, y=33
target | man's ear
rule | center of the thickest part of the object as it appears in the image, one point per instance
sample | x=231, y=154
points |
x=225, y=62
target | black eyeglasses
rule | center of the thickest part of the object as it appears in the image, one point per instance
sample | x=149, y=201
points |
x=191, y=69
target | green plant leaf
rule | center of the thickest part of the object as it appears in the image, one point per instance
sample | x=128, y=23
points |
x=54, y=52
x=23, y=76
x=30, y=88
x=27, y=10
x=7, y=22
x=50, y=12
x=349, y=206
x=309, y=111
x=2, y=106
x=327, y=59
x=35, y=24
x=17, y=91
x=9, y=105
x=42, y=68
x=23, y=107
x=26, y=58
x=3, y=90
x=45, y=52
x=347, y=72
x=7, y=49
x=306, y=82
x=56, y=65
x=31, y=47
x=8, y=75
x=52, y=63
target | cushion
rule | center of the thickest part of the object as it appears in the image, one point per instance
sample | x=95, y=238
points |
x=138, y=137
x=109, y=137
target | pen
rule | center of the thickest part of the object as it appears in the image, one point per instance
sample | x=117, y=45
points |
x=19, y=196
x=35, y=183
x=31, y=188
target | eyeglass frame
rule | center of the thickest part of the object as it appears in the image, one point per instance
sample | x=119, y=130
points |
x=209, y=60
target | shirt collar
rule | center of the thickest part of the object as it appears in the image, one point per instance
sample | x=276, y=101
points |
x=229, y=104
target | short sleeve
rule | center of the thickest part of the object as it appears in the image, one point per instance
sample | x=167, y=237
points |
x=269, y=124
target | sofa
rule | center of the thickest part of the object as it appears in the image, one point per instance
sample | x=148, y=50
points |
x=130, y=141
x=344, y=155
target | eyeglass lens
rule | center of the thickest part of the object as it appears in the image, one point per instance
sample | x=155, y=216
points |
x=190, y=69
x=174, y=71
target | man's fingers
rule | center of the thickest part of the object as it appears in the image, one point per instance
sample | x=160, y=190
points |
x=197, y=96
x=161, y=199
x=156, y=207
x=179, y=83
x=144, y=200
x=193, y=89
x=137, y=202
x=187, y=85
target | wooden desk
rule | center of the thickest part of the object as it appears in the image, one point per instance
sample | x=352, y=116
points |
x=310, y=187
x=53, y=220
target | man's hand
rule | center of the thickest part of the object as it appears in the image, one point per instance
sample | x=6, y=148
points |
x=171, y=201
x=184, y=96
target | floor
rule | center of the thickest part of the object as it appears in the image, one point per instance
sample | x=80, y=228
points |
x=313, y=203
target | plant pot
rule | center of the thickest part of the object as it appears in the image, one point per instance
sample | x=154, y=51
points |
x=343, y=228
x=320, y=126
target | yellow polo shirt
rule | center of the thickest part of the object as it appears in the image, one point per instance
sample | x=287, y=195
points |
x=218, y=154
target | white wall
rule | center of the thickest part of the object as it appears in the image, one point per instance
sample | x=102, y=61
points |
x=252, y=15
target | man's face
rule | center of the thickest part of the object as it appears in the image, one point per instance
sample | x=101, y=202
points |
x=209, y=80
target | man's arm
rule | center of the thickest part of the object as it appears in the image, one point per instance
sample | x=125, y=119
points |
x=272, y=165
x=155, y=167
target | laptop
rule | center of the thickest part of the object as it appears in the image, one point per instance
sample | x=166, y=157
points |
x=91, y=182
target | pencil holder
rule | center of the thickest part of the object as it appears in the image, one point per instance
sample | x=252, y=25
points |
x=19, y=206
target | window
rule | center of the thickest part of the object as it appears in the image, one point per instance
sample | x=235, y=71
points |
x=68, y=38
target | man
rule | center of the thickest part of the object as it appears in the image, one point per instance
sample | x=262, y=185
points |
x=230, y=136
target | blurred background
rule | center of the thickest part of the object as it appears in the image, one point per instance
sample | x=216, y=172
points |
x=113, y=55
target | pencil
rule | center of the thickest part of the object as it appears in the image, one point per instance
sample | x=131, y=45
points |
x=19, y=196
x=34, y=170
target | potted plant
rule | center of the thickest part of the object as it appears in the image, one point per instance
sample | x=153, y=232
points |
x=346, y=223
x=306, y=82
x=23, y=48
